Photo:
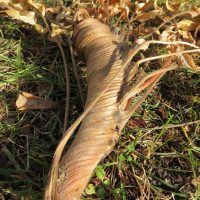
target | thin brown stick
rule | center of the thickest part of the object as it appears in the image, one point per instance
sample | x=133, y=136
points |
x=149, y=130
x=66, y=75
x=165, y=22
x=142, y=99
x=76, y=72
x=67, y=86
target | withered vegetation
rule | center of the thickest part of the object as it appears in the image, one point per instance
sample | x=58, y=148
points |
x=149, y=125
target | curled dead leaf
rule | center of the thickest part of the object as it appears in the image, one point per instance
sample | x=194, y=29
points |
x=168, y=6
x=26, y=16
x=187, y=36
x=18, y=10
x=187, y=25
x=56, y=33
x=23, y=10
x=27, y=101
x=141, y=41
x=37, y=6
x=56, y=30
x=39, y=28
x=169, y=34
x=148, y=15
x=195, y=11
x=4, y=3
x=188, y=60
x=141, y=7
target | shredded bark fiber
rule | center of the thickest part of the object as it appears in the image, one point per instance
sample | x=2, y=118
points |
x=100, y=129
x=107, y=108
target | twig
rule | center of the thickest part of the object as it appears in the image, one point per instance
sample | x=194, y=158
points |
x=145, y=45
x=141, y=83
x=76, y=72
x=155, y=80
x=148, y=130
x=165, y=22
x=66, y=74
x=67, y=86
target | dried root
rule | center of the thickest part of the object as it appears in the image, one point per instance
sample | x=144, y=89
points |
x=107, y=108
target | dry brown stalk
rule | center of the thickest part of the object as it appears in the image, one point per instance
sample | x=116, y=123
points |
x=105, y=113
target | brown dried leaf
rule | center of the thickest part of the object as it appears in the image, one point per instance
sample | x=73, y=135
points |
x=39, y=28
x=37, y=6
x=190, y=62
x=56, y=30
x=27, y=101
x=26, y=16
x=168, y=34
x=56, y=33
x=187, y=25
x=195, y=11
x=172, y=6
x=141, y=31
x=4, y=3
x=168, y=6
x=187, y=36
x=141, y=7
x=23, y=10
x=18, y=10
x=146, y=16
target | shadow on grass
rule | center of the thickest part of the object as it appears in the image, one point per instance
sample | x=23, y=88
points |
x=28, y=139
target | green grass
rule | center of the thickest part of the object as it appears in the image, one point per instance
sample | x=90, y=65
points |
x=145, y=164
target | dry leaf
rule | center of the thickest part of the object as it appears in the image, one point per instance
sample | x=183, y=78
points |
x=141, y=31
x=168, y=34
x=39, y=28
x=38, y=6
x=27, y=101
x=21, y=10
x=195, y=11
x=189, y=61
x=187, y=25
x=187, y=36
x=27, y=17
x=141, y=7
x=146, y=16
x=56, y=30
x=56, y=33
x=4, y=3
x=139, y=42
x=168, y=6
x=18, y=11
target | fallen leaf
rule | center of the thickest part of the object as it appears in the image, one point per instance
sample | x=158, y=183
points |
x=39, y=28
x=18, y=10
x=27, y=101
x=187, y=36
x=4, y=3
x=38, y=6
x=168, y=6
x=56, y=30
x=141, y=41
x=195, y=11
x=56, y=33
x=141, y=7
x=189, y=61
x=141, y=31
x=168, y=34
x=27, y=16
x=148, y=15
x=187, y=25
